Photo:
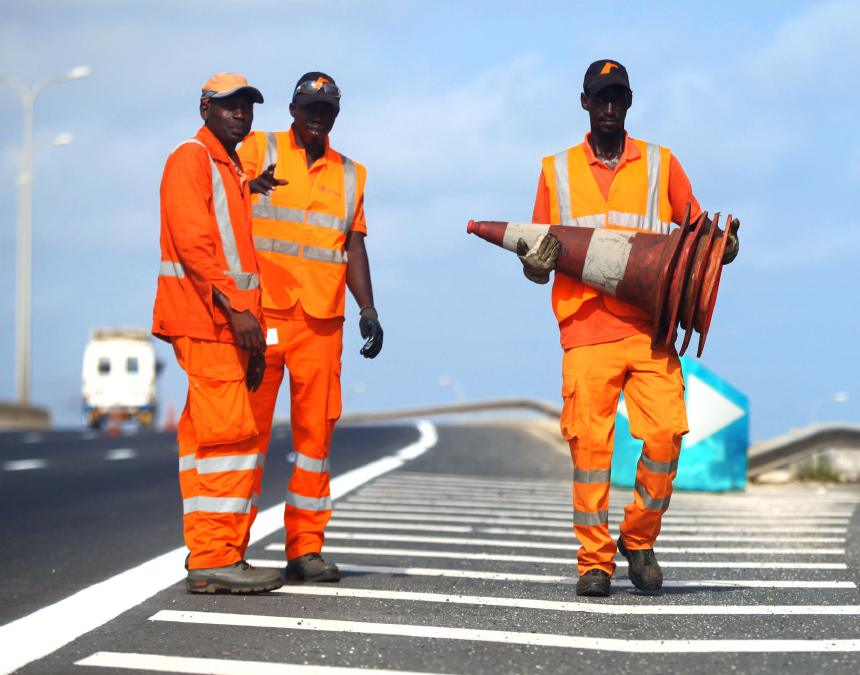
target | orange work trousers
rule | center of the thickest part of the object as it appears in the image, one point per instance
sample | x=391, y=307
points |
x=653, y=385
x=310, y=349
x=220, y=454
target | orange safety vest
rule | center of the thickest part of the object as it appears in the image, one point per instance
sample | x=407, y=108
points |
x=301, y=242
x=188, y=271
x=638, y=200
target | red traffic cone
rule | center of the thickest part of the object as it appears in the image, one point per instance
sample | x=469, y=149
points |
x=672, y=277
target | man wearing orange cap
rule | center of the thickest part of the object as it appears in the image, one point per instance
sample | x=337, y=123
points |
x=208, y=307
x=613, y=181
x=309, y=229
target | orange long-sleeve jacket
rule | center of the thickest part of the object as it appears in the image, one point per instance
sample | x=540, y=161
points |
x=206, y=243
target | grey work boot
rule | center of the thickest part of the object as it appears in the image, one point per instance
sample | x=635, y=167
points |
x=594, y=583
x=237, y=578
x=642, y=568
x=311, y=567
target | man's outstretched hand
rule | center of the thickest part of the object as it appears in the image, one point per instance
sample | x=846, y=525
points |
x=266, y=182
x=539, y=260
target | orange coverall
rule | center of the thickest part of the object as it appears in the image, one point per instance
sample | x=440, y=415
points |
x=607, y=346
x=220, y=454
x=300, y=232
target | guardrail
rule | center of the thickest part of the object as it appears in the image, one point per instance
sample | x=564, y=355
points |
x=542, y=407
x=801, y=443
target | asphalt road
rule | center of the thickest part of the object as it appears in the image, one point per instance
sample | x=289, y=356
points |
x=457, y=561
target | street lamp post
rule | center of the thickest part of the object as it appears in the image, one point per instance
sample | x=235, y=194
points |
x=838, y=397
x=25, y=222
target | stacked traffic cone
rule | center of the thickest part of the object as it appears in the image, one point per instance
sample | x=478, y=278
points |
x=673, y=277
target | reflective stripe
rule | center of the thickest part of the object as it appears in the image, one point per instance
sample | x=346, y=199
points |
x=663, y=468
x=652, y=206
x=516, y=231
x=606, y=259
x=223, y=463
x=269, y=212
x=307, y=464
x=277, y=246
x=591, y=518
x=595, y=222
x=562, y=188
x=171, y=269
x=326, y=255
x=245, y=281
x=349, y=190
x=590, y=476
x=218, y=504
x=271, y=157
x=649, y=502
x=325, y=220
x=308, y=503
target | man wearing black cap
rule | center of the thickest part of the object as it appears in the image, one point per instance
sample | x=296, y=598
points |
x=613, y=181
x=309, y=229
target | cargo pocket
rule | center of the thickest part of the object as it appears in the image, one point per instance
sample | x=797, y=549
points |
x=220, y=408
x=335, y=404
x=568, y=423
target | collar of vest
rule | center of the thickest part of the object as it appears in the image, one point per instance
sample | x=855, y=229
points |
x=631, y=150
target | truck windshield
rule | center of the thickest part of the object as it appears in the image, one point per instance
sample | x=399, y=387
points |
x=104, y=365
x=131, y=364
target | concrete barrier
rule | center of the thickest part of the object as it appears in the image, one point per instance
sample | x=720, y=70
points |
x=24, y=417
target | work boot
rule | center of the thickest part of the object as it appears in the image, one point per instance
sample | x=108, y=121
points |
x=239, y=577
x=594, y=583
x=642, y=568
x=311, y=567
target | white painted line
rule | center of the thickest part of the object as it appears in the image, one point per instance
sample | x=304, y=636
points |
x=413, y=553
x=62, y=622
x=24, y=464
x=556, y=579
x=552, y=546
x=567, y=522
x=121, y=453
x=587, y=606
x=198, y=666
x=510, y=637
x=567, y=534
x=33, y=438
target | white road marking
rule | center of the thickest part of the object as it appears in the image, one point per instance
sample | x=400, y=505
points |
x=567, y=534
x=62, y=622
x=25, y=464
x=552, y=546
x=413, y=553
x=566, y=522
x=395, y=505
x=587, y=605
x=33, y=438
x=121, y=453
x=198, y=666
x=509, y=637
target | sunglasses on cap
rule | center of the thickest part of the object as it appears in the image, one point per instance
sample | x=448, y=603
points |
x=315, y=86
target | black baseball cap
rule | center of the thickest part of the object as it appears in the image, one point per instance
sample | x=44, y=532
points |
x=602, y=74
x=327, y=94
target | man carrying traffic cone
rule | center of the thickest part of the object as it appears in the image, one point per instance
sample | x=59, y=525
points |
x=614, y=181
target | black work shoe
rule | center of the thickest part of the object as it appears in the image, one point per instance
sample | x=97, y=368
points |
x=642, y=568
x=594, y=583
x=311, y=567
x=237, y=578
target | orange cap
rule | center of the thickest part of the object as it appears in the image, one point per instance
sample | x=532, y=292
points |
x=227, y=84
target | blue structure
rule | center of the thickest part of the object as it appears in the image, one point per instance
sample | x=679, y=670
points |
x=714, y=453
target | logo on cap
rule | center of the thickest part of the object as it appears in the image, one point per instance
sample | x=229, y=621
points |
x=607, y=68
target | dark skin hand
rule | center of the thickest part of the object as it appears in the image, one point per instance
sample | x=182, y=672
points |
x=229, y=119
x=266, y=182
x=607, y=110
x=246, y=329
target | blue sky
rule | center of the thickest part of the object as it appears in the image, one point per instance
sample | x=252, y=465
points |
x=451, y=106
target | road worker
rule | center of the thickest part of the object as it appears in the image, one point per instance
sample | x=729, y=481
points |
x=612, y=180
x=309, y=229
x=208, y=306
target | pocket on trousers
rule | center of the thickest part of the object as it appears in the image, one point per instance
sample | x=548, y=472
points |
x=220, y=410
x=335, y=404
x=568, y=419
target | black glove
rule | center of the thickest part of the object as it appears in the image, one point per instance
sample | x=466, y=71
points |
x=732, y=245
x=371, y=330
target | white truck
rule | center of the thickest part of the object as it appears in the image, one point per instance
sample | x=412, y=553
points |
x=120, y=370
